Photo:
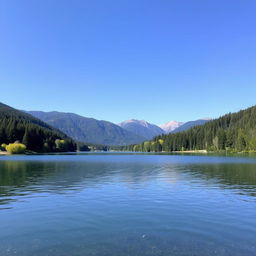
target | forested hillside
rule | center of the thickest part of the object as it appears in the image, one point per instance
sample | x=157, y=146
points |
x=232, y=132
x=88, y=130
x=32, y=132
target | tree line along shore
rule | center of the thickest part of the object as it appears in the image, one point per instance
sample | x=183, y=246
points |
x=234, y=132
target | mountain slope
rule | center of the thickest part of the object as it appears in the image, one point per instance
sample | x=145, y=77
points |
x=141, y=128
x=190, y=124
x=16, y=125
x=232, y=132
x=88, y=129
x=170, y=126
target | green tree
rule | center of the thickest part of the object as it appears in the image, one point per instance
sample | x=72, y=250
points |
x=146, y=146
x=221, y=139
x=241, y=140
x=16, y=148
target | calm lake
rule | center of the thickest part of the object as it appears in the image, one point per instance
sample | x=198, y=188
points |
x=127, y=204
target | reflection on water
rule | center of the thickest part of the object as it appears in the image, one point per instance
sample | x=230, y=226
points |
x=238, y=177
x=127, y=205
x=34, y=175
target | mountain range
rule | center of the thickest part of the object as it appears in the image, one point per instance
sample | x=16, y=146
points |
x=57, y=132
x=92, y=131
x=170, y=126
x=233, y=132
x=88, y=130
x=142, y=128
x=190, y=124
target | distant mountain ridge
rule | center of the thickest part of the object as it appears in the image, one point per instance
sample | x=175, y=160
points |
x=141, y=128
x=93, y=131
x=191, y=124
x=88, y=130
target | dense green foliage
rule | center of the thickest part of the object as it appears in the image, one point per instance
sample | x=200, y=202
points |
x=88, y=130
x=32, y=132
x=232, y=132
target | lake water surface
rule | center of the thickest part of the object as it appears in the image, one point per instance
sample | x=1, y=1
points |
x=127, y=204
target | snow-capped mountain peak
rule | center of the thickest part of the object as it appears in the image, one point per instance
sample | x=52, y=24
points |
x=170, y=126
x=141, y=128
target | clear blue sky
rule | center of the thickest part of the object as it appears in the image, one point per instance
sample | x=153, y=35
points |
x=156, y=60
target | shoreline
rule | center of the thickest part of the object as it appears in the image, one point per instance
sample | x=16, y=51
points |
x=191, y=151
x=4, y=153
x=203, y=152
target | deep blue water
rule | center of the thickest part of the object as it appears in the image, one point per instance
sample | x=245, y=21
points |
x=126, y=204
